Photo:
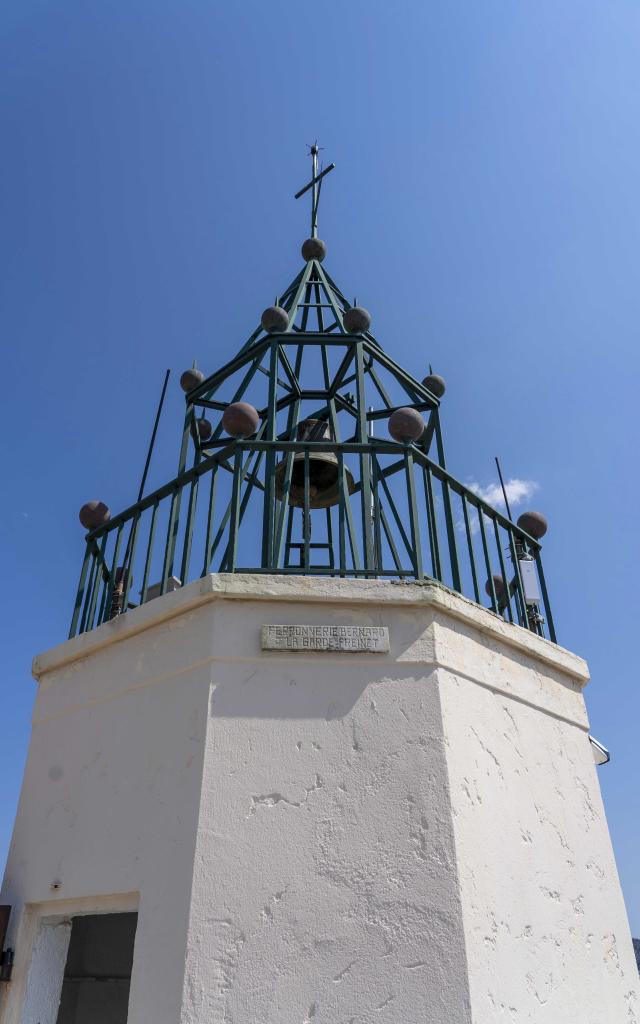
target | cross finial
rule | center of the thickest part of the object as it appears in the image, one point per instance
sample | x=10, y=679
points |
x=315, y=184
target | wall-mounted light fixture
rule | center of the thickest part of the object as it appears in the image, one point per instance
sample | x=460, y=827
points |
x=600, y=754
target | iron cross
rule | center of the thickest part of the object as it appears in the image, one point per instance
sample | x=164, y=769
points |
x=316, y=185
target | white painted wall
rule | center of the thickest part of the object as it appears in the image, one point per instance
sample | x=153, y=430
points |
x=46, y=970
x=546, y=931
x=318, y=838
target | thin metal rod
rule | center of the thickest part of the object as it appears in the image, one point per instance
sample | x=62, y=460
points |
x=504, y=490
x=153, y=435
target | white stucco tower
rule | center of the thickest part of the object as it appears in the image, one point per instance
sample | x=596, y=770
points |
x=292, y=765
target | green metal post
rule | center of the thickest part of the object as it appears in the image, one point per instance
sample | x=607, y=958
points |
x=487, y=559
x=235, y=510
x=269, y=491
x=545, y=598
x=147, y=561
x=365, y=469
x=416, y=547
x=432, y=524
x=133, y=540
x=503, y=570
x=448, y=515
x=80, y=591
x=472, y=560
x=188, y=529
x=210, y=512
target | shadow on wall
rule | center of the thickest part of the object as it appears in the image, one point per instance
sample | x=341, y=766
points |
x=325, y=687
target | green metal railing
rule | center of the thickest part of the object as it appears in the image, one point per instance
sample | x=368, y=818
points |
x=407, y=519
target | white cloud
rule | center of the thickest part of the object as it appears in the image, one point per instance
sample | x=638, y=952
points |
x=518, y=491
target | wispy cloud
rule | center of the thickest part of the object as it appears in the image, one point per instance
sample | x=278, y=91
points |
x=518, y=491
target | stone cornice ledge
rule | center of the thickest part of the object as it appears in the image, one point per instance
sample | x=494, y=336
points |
x=316, y=590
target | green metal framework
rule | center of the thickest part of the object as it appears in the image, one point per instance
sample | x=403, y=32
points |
x=407, y=519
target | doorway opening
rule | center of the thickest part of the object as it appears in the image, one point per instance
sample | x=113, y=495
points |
x=97, y=974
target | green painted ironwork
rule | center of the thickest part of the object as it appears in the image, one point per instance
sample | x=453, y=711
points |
x=399, y=514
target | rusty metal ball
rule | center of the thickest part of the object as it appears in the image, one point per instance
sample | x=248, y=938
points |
x=313, y=249
x=94, y=514
x=357, y=320
x=533, y=523
x=205, y=430
x=406, y=424
x=190, y=379
x=498, y=586
x=435, y=384
x=275, y=319
x=240, y=419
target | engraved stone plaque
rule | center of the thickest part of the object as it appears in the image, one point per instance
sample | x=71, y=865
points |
x=374, y=639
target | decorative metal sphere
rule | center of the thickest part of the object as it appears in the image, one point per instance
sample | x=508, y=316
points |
x=94, y=514
x=190, y=379
x=240, y=419
x=498, y=586
x=313, y=249
x=275, y=319
x=406, y=424
x=533, y=523
x=435, y=384
x=205, y=430
x=357, y=320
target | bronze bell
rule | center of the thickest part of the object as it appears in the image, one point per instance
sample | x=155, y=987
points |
x=324, y=486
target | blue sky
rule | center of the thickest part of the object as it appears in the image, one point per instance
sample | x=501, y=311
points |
x=484, y=208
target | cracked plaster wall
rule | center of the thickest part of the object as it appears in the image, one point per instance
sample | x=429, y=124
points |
x=325, y=887
x=545, y=925
x=326, y=838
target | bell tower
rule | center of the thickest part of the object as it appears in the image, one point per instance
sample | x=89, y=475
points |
x=312, y=452
x=311, y=752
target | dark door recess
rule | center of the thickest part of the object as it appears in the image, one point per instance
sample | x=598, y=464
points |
x=97, y=974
